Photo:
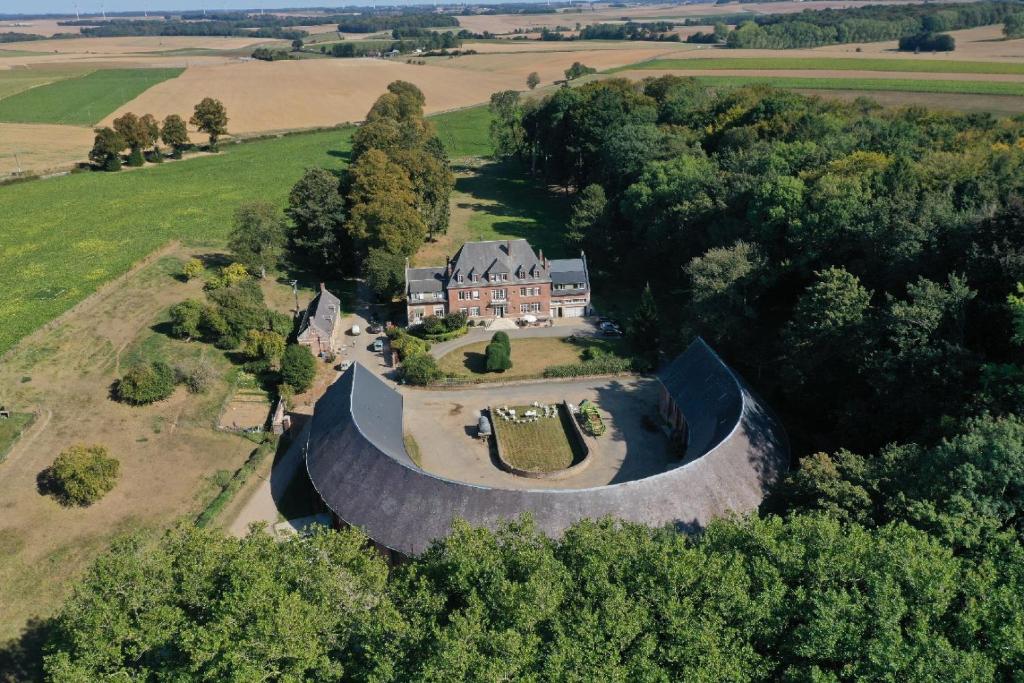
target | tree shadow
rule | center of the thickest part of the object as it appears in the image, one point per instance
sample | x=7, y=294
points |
x=21, y=658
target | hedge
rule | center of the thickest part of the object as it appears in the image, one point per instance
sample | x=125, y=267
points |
x=242, y=475
x=444, y=336
x=605, y=365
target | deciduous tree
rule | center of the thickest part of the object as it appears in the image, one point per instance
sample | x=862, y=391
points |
x=210, y=117
x=175, y=134
x=258, y=237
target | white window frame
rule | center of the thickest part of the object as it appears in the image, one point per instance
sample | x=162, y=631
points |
x=438, y=310
x=474, y=311
x=499, y=295
x=476, y=294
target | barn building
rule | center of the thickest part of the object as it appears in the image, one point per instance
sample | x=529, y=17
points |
x=319, y=328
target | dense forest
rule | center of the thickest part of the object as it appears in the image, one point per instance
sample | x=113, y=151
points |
x=861, y=268
x=811, y=28
x=371, y=23
x=656, y=30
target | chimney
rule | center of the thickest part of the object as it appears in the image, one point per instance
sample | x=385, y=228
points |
x=448, y=265
x=508, y=247
x=322, y=287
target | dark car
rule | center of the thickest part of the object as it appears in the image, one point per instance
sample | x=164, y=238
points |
x=374, y=328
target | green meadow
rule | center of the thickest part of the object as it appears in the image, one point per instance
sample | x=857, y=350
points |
x=831, y=64
x=62, y=238
x=465, y=132
x=13, y=81
x=81, y=101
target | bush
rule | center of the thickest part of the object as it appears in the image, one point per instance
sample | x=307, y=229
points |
x=605, y=364
x=405, y=344
x=499, y=353
x=928, y=42
x=434, y=325
x=298, y=367
x=146, y=383
x=192, y=269
x=135, y=158
x=455, y=321
x=81, y=475
x=196, y=376
x=187, y=319
x=420, y=369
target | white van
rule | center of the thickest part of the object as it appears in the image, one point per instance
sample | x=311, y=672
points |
x=356, y=331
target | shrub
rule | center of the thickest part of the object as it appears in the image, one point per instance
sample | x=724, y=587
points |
x=420, y=369
x=603, y=365
x=455, y=321
x=192, y=269
x=146, y=383
x=187, y=319
x=81, y=475
x=298, y=367
x=259, y=345
x=405, y=344
x=196, y=376
x=433, y=325
x=499, y=353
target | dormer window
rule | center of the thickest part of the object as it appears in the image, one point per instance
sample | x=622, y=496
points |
x=459, y=277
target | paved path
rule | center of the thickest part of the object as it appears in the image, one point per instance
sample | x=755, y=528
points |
x=262, y=504
x=563, y=327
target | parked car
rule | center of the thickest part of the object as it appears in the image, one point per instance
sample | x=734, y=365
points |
x=611, y=331
x=356, y=331
x=343, y=365
x=374, y=328
x=378, y=344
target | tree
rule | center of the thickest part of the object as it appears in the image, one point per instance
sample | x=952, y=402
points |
x=263, y=345
x=187, y=319
x=149, y=124
x=506, y=127
x=106, y=149
x=211, y=118
x=297, y=45
x=1016, y=305
x=317, y=211
x=174, y=133
x=533, y=80
x=258, y=238
x=578, y=69
x=587, y=218
x=298, y=367
x=498, y=353
x=135, y=134
x=81, y=475
x=192, y=269
x=145, y=383
x=385, y=273
x=1013, y=25
x=645, y=329
x=420, y=369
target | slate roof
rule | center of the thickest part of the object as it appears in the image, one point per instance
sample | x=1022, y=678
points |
x=425, y=279
x=357, y=462
x=498, y=256
x=320, y=315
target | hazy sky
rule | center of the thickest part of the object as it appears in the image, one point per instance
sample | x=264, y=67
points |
x=68, y=6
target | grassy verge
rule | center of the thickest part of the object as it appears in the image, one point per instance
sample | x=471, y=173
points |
x=236, y=482
x=466, y=132
x=831, y=64
x=412, y=448
x=81, y=101
x=541, y=446
x=530, y=357
x=11, y=429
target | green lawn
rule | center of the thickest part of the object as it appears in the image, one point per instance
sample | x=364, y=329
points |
x=81, y=101
x=541, y=446
x=10, y=429
x=965, y=87
x=832, y=64
x=530, y=357
x=466, y=132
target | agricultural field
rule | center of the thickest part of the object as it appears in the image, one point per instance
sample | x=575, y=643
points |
x=40, y=146
x=83, y=100
x=830, y=64
x=13, y=81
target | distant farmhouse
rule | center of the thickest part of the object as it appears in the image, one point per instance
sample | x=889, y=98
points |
x=319, y=328
x=499, y=279
x=731, y=449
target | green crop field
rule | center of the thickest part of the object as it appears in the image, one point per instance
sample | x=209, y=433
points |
x=831, y=64
x=81, y=101
x=972, y=87
x=13, y=81
x=62, y=238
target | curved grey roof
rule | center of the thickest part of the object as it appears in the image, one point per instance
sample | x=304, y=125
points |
x=357, y=462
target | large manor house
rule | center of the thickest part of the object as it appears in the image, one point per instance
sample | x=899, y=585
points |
x=499, y=279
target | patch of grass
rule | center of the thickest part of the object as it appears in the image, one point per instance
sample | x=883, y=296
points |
x=530, y=356
x=107, y=222
x=831, y=64
x=466, y=132
x=236, y=481
x=541, y=446
x=81, y=101
x=499, y=201
x=11, y=429
x=412, y=448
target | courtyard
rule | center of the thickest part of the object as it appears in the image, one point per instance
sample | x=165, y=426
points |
x=444, y=425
